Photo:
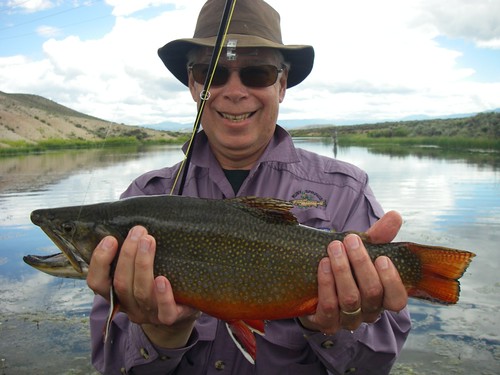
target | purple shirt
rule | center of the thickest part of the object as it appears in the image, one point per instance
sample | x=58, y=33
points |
x=327, y=194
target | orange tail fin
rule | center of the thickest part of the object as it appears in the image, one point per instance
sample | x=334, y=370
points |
x=441, y=269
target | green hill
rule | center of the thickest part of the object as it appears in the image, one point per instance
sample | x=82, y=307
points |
x=31, y=119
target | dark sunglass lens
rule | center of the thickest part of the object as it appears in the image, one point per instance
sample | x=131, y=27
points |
x=259, y=76
x=200, y=72
x=221, y=76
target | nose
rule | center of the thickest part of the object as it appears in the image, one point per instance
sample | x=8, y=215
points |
x=234, y=88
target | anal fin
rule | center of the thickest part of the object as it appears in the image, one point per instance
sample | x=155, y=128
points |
x=242, y=333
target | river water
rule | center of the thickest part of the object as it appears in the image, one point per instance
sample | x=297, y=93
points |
x=448, y=199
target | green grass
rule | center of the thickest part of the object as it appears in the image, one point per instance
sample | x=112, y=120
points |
x=22, y=147
x=443, y=142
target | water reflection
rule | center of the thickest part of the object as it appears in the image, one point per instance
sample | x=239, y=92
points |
x=34, y=172
x=446, y=199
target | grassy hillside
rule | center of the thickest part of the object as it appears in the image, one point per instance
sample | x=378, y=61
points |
x=481, y=130
x=31, y=121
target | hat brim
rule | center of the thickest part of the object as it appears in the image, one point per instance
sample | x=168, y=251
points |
x=300, y=57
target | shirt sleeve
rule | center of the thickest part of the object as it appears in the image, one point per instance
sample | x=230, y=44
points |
x=371, y=349
x=128, y=347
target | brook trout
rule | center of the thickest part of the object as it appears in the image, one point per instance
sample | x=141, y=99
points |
x=242, y=259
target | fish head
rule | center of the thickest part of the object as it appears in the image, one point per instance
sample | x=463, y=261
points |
x=76, y=233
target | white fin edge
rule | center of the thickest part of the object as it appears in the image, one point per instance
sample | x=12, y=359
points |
x=243, y=351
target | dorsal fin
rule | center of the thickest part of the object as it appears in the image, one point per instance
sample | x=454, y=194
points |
x=275, y=211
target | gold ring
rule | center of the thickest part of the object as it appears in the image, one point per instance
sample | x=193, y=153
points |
x=356, y=312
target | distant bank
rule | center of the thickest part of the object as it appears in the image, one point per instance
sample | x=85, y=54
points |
x=479, y=131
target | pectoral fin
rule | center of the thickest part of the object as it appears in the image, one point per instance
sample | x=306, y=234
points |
x=242, y=333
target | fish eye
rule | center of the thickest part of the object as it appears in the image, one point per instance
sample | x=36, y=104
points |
x=68, y=227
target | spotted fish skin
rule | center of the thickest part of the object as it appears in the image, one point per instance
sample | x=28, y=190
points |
x=242, y=258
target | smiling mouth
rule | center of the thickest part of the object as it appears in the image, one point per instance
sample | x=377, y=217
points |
x=236, y=118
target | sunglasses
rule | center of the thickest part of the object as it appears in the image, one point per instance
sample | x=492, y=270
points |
x=250, y=76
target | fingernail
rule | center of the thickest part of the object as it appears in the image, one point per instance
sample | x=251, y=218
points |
x=135, y=233
x=144, y=245
x=383, y=263
x=160, y=285
x=106, y=243
x=336, y=249
x=352, y=242
x=325, y=266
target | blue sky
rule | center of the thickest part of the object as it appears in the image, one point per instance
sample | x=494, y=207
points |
x=484, y=61
x=375, y=61
x=21, y=30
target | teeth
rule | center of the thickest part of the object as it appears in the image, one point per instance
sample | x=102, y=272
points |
x=237, y=117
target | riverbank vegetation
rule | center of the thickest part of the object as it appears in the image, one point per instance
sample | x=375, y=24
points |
x=23, y=147
x=481, y=131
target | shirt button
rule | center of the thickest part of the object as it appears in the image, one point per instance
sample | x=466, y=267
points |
x=327, y=344
x=144, y=353
x=219, y=365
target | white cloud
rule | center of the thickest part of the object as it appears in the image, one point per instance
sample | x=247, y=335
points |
x=48, y=31
x=492, y=43
x=127, y=8
x=30, y=6
x=374, y=60
x=478, y=20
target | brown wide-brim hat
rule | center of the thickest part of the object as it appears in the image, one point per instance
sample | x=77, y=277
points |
x=254, y=24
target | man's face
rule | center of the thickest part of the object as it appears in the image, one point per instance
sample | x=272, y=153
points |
x=238, y=119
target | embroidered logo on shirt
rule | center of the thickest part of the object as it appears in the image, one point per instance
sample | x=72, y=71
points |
x=308, y=199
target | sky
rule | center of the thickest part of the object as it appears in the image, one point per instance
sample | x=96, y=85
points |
x=375, y=61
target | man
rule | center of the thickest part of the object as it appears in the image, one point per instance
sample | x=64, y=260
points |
x=360, y=323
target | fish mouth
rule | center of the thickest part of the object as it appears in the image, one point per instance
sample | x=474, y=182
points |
x=69, y=250
x=56, y=265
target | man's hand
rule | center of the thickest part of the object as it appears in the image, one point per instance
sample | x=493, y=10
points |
x=351, y=288
x=146, y=300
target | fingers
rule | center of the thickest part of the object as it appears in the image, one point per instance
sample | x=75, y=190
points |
x=326, y=317
x=143, y=281
x=143, y=298
x=98, y=277
x=367, y=279
x=123, y=280
x=169, y=312
x=395, y=295
x=352, y=290
x=165, y=300
x=385, y=229
x=349, y=297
